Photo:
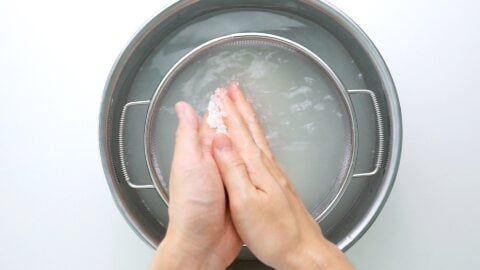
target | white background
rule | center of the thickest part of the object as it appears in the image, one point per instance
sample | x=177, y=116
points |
x=56, y=211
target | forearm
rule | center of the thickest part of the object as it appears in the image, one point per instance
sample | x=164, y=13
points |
x=173, y=254
x=321, y=255
x=167, y=257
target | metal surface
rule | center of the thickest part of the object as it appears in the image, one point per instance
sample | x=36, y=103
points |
x=381, y=137
x=122, y=148
x=363, y=198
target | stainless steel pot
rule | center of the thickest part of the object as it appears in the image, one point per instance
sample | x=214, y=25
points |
x=328, y=33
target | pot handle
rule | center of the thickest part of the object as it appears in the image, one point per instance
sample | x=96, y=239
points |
x=121, y=146
x=381, y=137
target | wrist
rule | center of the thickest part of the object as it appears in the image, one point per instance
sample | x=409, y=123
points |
x=177, y=253
x=315, y=254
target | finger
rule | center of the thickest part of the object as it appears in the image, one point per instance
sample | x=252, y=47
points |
x=277, y=172
x=253, y=155
x=206, y=135
x=233, y=170
x=187, y=140
x=287, y=187
x=248, y=113
x=281, y=178
x=246, y=147
x=238, y=130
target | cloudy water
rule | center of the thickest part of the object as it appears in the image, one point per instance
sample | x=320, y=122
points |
x=296, y=103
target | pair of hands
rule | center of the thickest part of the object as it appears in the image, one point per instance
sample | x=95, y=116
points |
x=206, y=229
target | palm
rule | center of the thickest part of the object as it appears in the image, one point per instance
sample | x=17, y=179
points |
x=197, y=208
x=228, y=241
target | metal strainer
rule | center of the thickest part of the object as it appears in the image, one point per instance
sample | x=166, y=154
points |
x=346, y=153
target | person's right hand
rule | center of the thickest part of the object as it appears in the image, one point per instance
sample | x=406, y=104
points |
x=267, y=213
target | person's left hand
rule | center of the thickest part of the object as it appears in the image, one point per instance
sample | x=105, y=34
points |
x=200, y=233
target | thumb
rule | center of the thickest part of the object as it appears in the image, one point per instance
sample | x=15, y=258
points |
x=187, y=139
x=232, y=168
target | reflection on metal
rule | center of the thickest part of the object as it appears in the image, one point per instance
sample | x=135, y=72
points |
x=121, y=145
x=380, y=135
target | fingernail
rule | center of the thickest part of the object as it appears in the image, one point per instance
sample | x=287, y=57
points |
x=180, y=109
x=185, y=114
x=222, y=142
x=221, y=92
x=234, y=91
x=234, y=86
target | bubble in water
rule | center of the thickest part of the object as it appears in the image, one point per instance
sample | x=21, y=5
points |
x=319, y=107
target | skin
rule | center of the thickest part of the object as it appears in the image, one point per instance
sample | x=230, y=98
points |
x=263, y=210
x=200, y=234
